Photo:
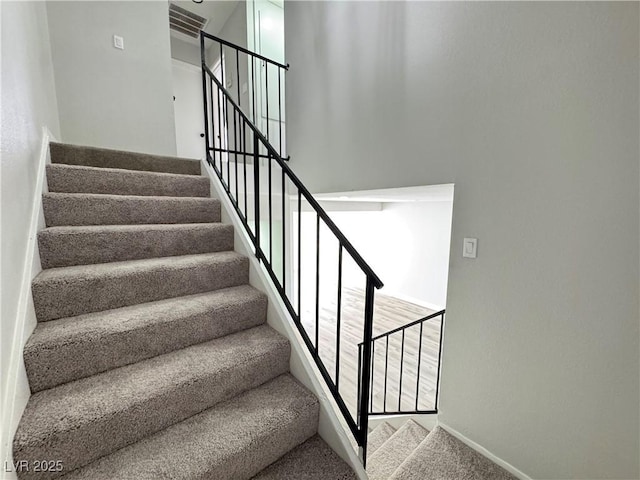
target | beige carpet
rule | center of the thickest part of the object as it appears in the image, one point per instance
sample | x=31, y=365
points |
x=152, y=358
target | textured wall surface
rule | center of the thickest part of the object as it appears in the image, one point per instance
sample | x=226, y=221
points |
x=109, y=97
x=531, y=109
x=28, y=105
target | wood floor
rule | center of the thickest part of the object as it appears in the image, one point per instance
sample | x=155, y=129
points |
x=389, y=313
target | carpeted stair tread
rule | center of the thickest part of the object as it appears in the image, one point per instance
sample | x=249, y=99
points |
x=68, y=349
x=388, y=457
x=98, y=209
x=79, y=422
x=378, y=436
x=69, y=291
x=81, y=179
x=102, y=157
x=441, y=456
x=233, y=440
x=83, y=245
x=313, y=460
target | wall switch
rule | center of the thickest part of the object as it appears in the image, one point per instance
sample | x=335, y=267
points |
x=118, y=42
x=244, y=87
x=470, y=248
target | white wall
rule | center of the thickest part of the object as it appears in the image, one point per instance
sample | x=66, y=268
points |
x=185, y=51
x=406, y=244
x=531, y=109
x=235, y=31
x=108, y=97
x=416, y=250
x=265, y=35
x=189, y=117
x=28, y=105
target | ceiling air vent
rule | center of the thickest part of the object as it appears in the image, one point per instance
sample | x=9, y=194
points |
x=184, y=21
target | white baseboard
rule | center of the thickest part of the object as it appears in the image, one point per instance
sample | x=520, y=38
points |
x=416, y=301
x=16, y=388
x=480, y=449
x=332, y=427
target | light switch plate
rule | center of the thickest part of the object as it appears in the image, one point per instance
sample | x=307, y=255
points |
x=470, y=248
x=118, y=42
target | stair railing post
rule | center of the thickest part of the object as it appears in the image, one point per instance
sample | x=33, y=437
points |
x=204, y=96
x=365, y=374
x=256, y=189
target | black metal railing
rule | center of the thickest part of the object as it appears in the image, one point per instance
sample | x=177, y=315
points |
x=417, y=348
x=255, y=176
x=251, y=81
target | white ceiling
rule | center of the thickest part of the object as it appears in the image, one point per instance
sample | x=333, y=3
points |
x=216, y=11
x=427, y=193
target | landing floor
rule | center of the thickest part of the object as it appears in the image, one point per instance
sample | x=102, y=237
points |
x=389, y=313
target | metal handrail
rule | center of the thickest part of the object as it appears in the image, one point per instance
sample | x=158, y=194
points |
x=243, y=50
x=305, y=192
x=242, y=123
x=408, y=325
x=385, y=336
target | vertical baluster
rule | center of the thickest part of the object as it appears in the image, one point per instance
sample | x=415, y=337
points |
x=253, y=89
x=270, y=212
x=266, y=94
x=419, y=362
x=401, y=365
x=435, y=405
x=284, y=249
x=236, y=136
x=299, y=256
x=244, y=165
x=367, y=370
x=373, y=366
x=338, y=315
x=238, y=78
x=256, y=190
x=222, y=82
x=204, y=96
x=386, y=364
x=317, y=280
x=213, y=122
x=279, y=113
x=236, y=148
x=359, y=390
x=224, y=123
x=226, y=131
x=219, y=131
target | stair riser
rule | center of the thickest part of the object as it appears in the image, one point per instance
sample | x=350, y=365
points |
x=267, y=449
x=72, y=359
x=320, y=462
x=64, y=209
x=82, y=445
x=97, y=292
x=63, y=249
x=124, y=182
x=248, y=431
x=388, y=457
x=96, y=157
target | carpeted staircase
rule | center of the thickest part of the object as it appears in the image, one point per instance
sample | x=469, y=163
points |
x=413, y=453
x=151, y=358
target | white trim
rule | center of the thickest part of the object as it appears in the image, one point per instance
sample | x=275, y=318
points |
x=417, y=301
x=331, y=427
x=14, y=402
x=428, y=421
x=483, y=451
x=345, y=206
